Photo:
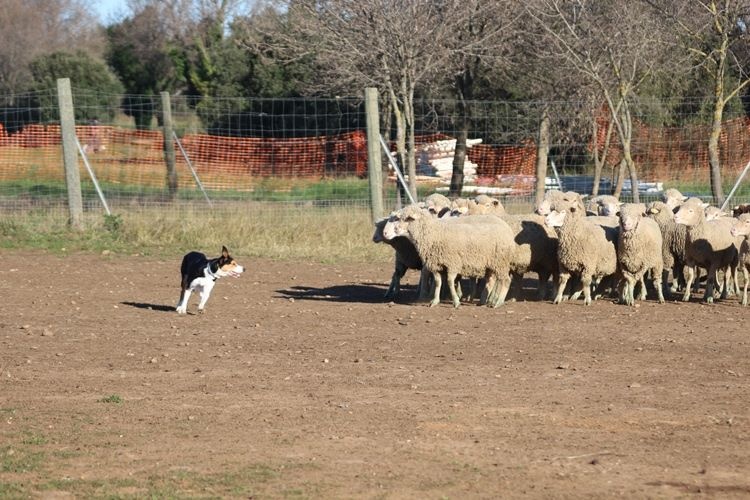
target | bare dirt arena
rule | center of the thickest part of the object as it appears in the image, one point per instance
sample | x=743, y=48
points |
x=299, y=381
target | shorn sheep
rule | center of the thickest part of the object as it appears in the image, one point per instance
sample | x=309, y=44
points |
x=639, y=250
x=709, y=245
x=742, y=228
x=583, y=250
x=471, y=250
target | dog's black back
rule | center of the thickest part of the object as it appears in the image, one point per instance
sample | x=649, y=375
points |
x=193, y=265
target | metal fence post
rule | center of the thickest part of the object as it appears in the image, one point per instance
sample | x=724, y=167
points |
x=169, y=152
x=374, y=164
x=70, y=152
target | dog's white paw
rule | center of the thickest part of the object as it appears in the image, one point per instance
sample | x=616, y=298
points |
x=181, y=310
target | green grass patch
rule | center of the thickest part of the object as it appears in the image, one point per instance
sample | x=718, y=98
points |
x=32, y=438
x=112, y=398
x=12, y=491
x=15, y=460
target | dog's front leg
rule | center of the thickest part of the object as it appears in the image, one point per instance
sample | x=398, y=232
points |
x=205, y=293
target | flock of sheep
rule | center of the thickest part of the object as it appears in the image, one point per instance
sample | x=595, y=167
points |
x=595, y=247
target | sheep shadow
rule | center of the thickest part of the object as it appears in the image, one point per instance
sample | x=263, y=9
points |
x=366, y=293
x=150, y=307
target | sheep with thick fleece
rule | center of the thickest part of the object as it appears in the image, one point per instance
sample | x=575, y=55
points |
x=406, y=258
x=584, y=250
x=639, y=250
x=484, y=204
x=674, y=242
x=741, y=228
x=471, y=250
x=709, y=245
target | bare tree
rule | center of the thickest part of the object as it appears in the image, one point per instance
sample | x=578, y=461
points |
x=394, y=45
x=614, y=44
x=716, y=34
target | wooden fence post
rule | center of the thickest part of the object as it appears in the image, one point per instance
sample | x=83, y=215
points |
x=70, y=152
x=374, y=163
x=169, y=152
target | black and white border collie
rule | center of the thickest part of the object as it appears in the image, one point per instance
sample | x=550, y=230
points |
x=200, y=273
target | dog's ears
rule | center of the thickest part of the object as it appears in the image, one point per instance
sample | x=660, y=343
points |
x=224, y=252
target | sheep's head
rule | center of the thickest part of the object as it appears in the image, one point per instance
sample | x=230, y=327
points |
x=713, y=213
x=691, y=212
x=673, y=198
x=399, y=221
x=459, y=206
x=742, y=226
x=555, y=218
x=630, y=215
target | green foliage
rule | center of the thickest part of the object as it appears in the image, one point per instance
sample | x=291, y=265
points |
x=96, y=86
x=112, y=398
x=113, y=223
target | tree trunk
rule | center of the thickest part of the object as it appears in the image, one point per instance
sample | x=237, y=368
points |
x=542, y=152
x=619, y=178
x=411, y=150
x=465, y=92
x=714, y=161
x=600, y=160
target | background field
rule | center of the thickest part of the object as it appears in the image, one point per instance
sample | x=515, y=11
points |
x=300, y=382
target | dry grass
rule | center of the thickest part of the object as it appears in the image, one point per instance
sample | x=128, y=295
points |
x=277, y=231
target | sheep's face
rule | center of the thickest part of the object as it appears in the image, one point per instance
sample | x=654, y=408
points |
x=609, y=207
x=690, y=214
x=555, y=218
x=544, y=208
x=742, y=226
x=398, y=223
x=713, y=213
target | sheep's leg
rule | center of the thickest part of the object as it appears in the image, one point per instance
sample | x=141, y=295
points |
x=708, y=297
x=426, y=284
x=688, y=283
x=666, y=291
x=744, y=290
x=438, y=283
x=489, y=294
x=451, y=279
x=395, y=288
x=562, y=280
x=622, y=290
x=503, y=281
x=516, y=285
x=658, y=284
x=541, y=291
x=586, y=287
x=642, y=292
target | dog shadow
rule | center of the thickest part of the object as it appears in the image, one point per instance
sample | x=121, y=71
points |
x=366, y=293
x=152, y=307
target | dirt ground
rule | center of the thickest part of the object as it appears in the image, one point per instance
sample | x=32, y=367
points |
x=299, y=381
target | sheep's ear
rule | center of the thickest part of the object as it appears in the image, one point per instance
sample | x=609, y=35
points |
x=584, y=196
x=495, y=202
x=704, y=205
x=443, y=211
x=409, y=218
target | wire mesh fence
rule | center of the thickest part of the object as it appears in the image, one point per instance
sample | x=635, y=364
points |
x=313, y=152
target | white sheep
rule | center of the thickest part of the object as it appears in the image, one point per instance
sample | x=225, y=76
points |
x=713, y=213
x=437, y=204
x=584, y=250
x=406, y=257
x=471, y=250
x=484, y=204
x=639, y=250
x=709, y=245
x=741, y=228
x=674, y=241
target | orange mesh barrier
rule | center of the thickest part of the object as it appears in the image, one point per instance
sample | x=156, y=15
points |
x=680, y=153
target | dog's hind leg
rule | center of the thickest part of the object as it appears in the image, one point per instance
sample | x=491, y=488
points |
x=184, y=297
